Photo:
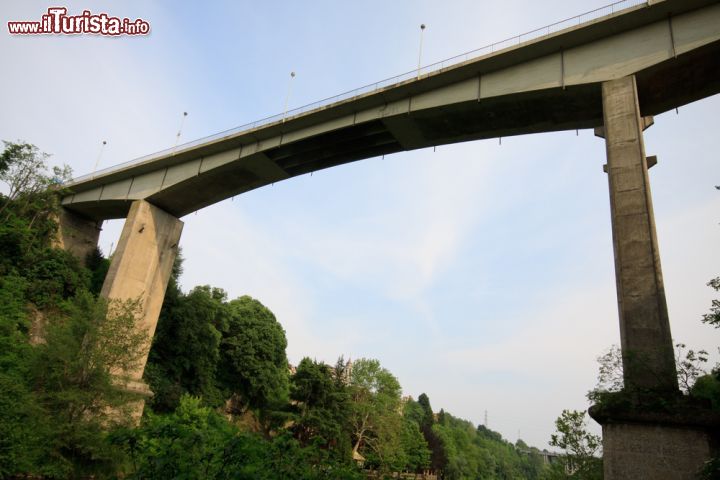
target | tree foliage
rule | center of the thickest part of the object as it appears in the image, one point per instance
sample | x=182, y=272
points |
x=472, y=452
x=688, y=362
x=218, y=369
x=87, y=342
x=57, y=390
x=322, y=406
x=59, y=395
x=31, y=187
x=374, y=414
x=415, y=451
x=581, y=447
x=217, y=349
x=252, y=354
x=22, y=430
x=195, y=442
x=186, y=349
x=713, y=318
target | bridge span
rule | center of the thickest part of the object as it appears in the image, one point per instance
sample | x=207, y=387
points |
x=547, y=84
x=610, y=73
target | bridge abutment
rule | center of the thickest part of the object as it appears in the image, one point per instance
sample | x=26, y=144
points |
x=649, y=430
x=140, y=270
x=77, y=234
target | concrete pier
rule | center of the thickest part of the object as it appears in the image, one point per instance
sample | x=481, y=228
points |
x=140, y=269
x=650, y=451
x=652, y=432
x=77, y=234
x=648, y=357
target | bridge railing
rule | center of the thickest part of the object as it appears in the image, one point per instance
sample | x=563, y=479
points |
x=545, y=31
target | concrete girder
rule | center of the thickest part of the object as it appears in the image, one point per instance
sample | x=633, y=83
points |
x=549, y=84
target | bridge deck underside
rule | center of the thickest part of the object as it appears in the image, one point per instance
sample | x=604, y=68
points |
x=193, y=180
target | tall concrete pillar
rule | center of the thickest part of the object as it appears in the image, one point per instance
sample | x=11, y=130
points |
x=140, y=269
x=648, y=357
x=653, y=432
x=77, y=234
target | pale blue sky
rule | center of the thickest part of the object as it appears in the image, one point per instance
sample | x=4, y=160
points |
x=481, y=274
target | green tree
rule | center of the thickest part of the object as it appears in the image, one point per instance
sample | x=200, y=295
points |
x=189, y=443
x=708, y=387
x=23, y=432
x=689, y=366
x=610, y=370
x=581, y=447
x=531, y=464
x=322, y=402
x=196, y=442
x=416, y=454
x=98, y=266
x=39, y=383
x=28, y=225
x=427, y=414
x=31, y=186
x=438, y=455
x=464, y=459
x=253, y=363
x=374, y=412
x=713, y=318
x=85, y=343
x=413, y=411
x=186, y=348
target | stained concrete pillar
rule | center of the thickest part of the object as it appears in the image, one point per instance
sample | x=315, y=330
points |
x=654, y=451
x=77, y=234
x=651, y=432
x=140, y=269
x=648, y=358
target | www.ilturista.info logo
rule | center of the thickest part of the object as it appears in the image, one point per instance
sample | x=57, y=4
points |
x=58, y=22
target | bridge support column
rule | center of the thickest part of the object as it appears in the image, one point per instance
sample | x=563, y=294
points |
x=77, y=234
x=140, y=269
x=648, y=357
x=652, y=432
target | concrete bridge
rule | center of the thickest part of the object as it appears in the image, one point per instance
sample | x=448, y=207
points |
x=611, y=73
x=548, y=84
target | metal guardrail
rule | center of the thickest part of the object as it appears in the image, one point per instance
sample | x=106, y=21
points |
x=545, y=31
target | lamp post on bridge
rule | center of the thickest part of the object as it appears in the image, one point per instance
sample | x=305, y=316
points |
x=287, y=97
x=422, y=30
x=97, y=162
x=177, y=137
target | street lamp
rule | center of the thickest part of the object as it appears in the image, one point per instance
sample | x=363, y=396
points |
x=177, y=137
x=422, y=29
x=287, y=97
x=97, y=162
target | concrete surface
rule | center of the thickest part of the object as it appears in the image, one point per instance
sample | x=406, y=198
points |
x=653, y=452
x=547, y=84
x=648, y=356
x=77, y=234
x=140, y=269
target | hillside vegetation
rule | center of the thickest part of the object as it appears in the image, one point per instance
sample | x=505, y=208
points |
x=226, y=402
